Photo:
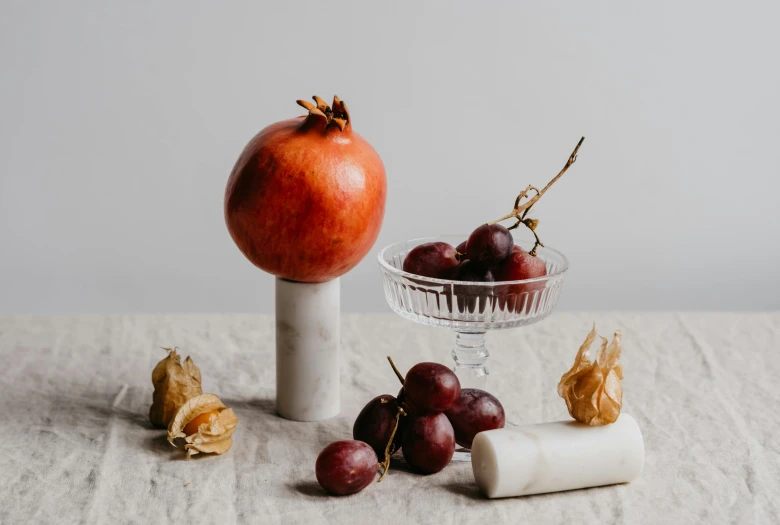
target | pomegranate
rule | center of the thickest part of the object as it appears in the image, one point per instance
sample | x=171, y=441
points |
x=306, y=198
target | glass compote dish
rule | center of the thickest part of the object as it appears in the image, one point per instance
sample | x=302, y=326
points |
x=470, y=308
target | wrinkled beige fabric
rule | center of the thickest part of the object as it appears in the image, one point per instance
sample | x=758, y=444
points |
x=77, y=445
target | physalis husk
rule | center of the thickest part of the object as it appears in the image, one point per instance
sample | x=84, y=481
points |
x=592, y=390
x=212, y=433
x=174, y=383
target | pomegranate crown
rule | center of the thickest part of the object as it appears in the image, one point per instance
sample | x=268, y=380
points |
x=337, y=114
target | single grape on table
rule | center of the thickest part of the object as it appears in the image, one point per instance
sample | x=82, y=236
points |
x=346, y=467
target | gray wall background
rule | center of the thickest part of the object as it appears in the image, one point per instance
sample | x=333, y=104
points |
x=120, y=121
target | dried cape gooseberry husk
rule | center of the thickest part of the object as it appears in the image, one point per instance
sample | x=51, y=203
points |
x=174, y=383
x=214, y=437
x=592, y=390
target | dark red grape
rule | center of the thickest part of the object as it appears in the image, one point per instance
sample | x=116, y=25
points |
x=516, y=267
x=375, y=423
x=521, y=265
x=489, y=244
x=428, y=442
x=474, y=412
x=461, y=248
x=431, y=387
x=432, y=259
x=346, y=467
x=470, y=297
x=470, y=271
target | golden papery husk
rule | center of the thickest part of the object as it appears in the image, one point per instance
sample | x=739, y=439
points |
x=214, y=437
x=592, y=390
x=174, y=383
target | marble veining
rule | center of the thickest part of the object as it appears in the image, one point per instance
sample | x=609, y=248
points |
x=558, y=456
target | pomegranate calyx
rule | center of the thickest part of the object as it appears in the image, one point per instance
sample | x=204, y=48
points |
x=337, y=115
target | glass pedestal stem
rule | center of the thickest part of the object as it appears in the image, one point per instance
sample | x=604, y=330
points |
x=470, y=355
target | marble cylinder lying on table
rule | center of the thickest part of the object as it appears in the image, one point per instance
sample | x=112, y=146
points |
x=307, y=350
x=551, y=457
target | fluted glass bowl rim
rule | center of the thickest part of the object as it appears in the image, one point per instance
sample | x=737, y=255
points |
x=564, y=265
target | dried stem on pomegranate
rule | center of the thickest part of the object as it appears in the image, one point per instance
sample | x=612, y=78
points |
x=388, y=452
x=337, y=115
x=520, y=211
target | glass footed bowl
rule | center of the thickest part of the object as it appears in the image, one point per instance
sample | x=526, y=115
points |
x=470, y=308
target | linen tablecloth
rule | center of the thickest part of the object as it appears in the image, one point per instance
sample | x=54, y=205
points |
x=76, y=445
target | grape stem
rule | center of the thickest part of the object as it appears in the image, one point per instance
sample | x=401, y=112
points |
x=386, y=463
x=521, y=210
x=397, y=373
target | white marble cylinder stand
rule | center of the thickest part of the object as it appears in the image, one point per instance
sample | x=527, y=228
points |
x=307, y=350
x=550, y=457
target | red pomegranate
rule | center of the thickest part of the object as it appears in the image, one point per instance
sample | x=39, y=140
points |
x=306, y=198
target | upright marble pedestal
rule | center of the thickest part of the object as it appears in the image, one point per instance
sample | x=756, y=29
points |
x=307, y=350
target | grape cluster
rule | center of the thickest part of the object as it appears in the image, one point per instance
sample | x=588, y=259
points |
x=488, y=255
x=430, y=414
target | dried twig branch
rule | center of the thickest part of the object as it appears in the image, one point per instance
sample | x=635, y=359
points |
x=519, y=210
